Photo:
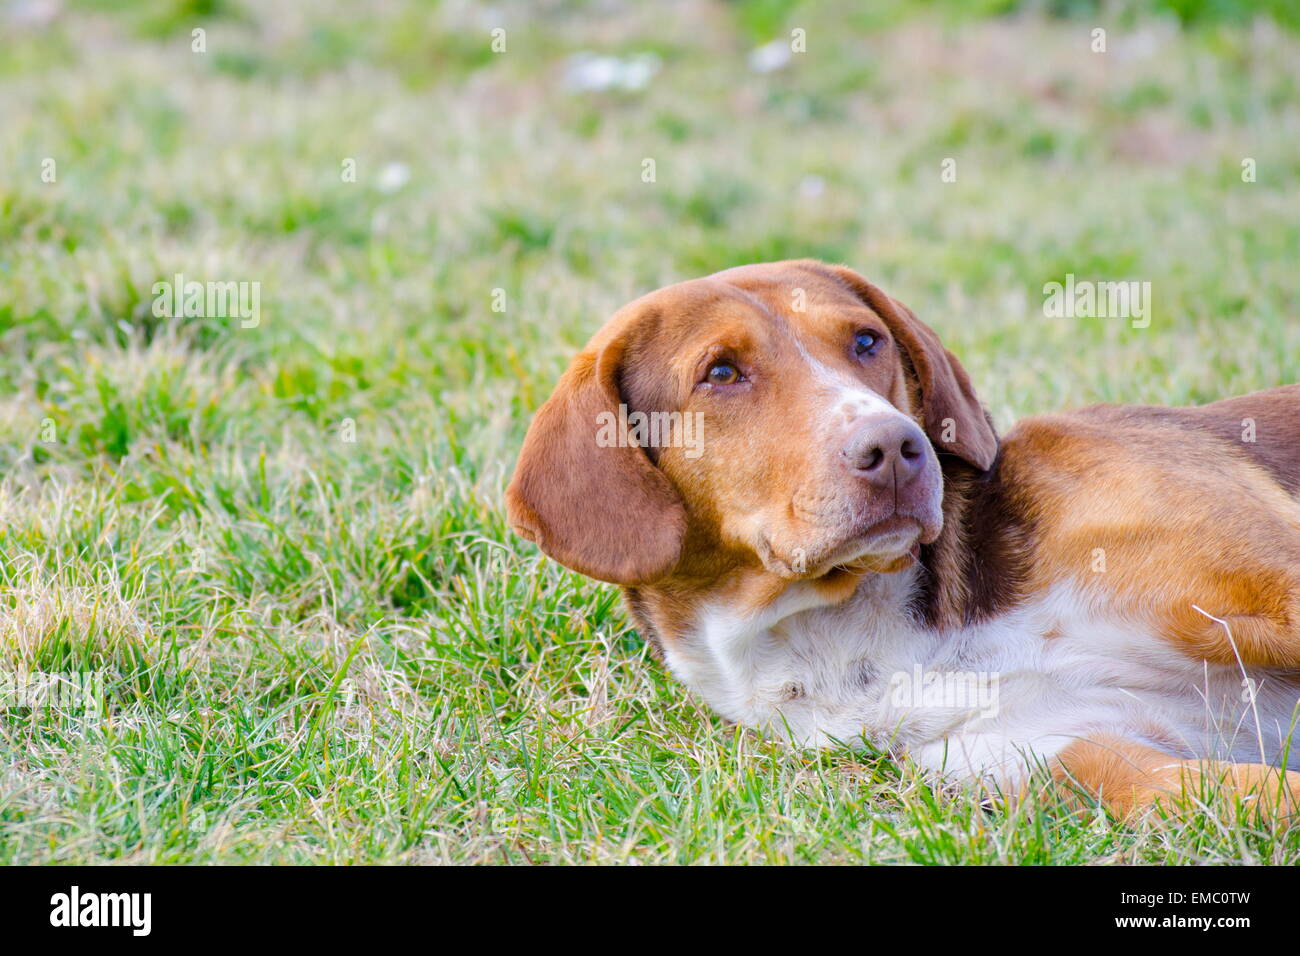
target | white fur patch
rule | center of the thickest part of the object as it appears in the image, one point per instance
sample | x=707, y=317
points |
x=982, y=702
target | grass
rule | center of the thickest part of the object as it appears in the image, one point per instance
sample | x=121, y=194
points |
x=317, y=649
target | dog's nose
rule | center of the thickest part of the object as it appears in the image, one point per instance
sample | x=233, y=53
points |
x=887, y=454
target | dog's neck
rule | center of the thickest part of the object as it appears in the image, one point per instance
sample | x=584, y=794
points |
x=978, y=565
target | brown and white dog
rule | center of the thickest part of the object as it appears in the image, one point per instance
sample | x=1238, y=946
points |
x=854, y=555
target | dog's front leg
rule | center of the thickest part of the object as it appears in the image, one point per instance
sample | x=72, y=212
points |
x=1130, y=778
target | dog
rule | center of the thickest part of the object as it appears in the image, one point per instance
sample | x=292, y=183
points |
x=854, y=555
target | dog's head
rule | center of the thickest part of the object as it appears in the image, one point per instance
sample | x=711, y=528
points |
x=784, y=416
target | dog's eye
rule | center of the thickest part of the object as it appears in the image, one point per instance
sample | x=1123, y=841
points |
x=865, y=343
x=722, y=373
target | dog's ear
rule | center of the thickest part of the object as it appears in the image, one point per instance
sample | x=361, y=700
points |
x=603, y=510
x=953, y=417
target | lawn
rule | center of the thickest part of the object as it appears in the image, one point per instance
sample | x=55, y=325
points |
x=278, y=542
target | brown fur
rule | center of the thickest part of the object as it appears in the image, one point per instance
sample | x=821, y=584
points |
x=979, y=566
x=634, y=517
x=1114, y=484
x=1128, y=777
x=1151, y=511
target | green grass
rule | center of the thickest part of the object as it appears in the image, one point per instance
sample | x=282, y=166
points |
x=325, y=650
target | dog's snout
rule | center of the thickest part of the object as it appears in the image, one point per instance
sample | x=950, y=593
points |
x=887, y=453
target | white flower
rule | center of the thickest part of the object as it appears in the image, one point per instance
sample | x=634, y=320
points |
x=770, y=56
x=393, y=177
x=811, y=186
x=36, y=13
x=587, y=72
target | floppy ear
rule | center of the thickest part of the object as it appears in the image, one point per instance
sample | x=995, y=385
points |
x=602, y=510
x=954, y=419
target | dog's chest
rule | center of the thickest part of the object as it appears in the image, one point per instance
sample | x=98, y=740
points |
x=977, y=702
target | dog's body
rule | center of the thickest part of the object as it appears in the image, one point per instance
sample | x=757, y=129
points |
x=1075, y=589
x=1114, y=593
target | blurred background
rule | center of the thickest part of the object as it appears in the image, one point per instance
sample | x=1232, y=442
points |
x=439, y=203
x=504, y=146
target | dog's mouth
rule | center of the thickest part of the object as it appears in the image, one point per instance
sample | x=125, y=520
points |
x=886, y=546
